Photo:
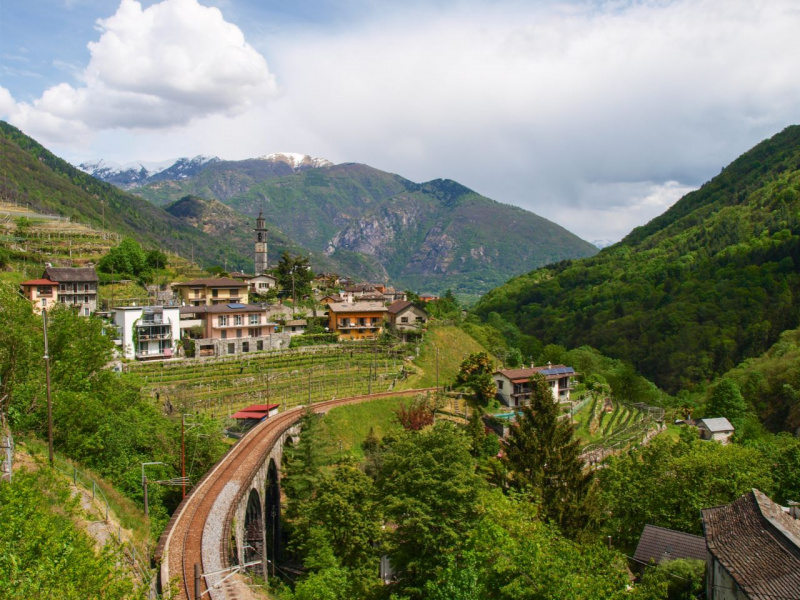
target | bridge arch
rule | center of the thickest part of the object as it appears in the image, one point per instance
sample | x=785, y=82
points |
x=253, y=544
x=272, y=513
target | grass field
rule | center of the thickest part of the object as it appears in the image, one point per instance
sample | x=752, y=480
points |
x=454, y=345
x=345, y=427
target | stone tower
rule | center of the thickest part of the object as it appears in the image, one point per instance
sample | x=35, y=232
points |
x=261, y=246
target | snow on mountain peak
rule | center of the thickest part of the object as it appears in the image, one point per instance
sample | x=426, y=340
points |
x=296, y=160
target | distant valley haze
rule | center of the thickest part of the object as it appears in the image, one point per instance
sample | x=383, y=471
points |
x=598, y=116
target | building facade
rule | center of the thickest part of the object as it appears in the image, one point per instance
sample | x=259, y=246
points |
x=42, y=293
x=514, y=386
x=150, y=332
x=232, y=329
x=77, y=287
x=357, y=320
x=212, y=291
x=406, y=316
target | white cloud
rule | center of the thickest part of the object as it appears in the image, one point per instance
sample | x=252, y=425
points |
x=152, y=68
x=6, y=102
x=597, y=115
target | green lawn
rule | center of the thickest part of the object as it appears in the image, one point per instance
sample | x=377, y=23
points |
x=349, y=425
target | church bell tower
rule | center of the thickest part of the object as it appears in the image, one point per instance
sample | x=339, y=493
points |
x=261, y=245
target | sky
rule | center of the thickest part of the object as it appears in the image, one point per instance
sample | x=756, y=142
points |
x=595, y=115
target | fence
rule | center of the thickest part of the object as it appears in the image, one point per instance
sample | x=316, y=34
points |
x=139, y=564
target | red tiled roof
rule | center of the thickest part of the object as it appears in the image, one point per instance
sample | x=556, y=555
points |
x=39, y=282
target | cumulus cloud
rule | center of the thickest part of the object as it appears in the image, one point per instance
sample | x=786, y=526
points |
x=153, y=68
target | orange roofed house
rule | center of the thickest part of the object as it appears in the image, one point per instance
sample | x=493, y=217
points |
x=356, y=320
x=42, y=293
x=514, y=386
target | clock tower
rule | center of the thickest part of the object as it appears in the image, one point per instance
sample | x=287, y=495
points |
x=261, y=246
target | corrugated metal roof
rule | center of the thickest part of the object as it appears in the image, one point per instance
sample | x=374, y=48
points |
x=243, y=414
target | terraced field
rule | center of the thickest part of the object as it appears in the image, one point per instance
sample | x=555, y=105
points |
x=221, y=386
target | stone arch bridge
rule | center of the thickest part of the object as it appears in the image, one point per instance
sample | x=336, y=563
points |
x=232, y=516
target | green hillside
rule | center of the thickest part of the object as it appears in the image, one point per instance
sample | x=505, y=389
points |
x=35, y=177
x=690, y=295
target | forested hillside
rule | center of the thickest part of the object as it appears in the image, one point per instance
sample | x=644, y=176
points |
x=34, y=176
x=690, y=295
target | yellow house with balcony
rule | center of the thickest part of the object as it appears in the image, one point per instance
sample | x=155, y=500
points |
x=356, y=320
x=211, y=291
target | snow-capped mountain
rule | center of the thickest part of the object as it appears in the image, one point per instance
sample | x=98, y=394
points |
x=137, y=173
x=297, y=161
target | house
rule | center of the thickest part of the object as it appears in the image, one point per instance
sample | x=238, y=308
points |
x=295, y=327
x=331, y=298
x=147, y=332
x=356, y=320
x=255, y=413
x=261, y=284
x=514, y=387
x=77, y=287
x=351, y=293
x=753, y=550
x=718, y=429
x=428, y=297
x=232, y=328
x=211, y=291
x=42, y=293
x=393, y=295
x=405, y=315
x=659, y=545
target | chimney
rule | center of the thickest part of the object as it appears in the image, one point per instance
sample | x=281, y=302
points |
x=549, y=364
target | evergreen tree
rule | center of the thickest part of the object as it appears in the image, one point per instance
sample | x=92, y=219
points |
x=543, y=455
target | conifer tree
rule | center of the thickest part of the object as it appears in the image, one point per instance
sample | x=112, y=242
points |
x=543, y=456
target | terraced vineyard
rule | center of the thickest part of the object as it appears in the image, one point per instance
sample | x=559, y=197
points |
x=222, y=386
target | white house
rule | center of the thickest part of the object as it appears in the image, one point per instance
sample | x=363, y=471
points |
x=261, y=284
x=718, y=429
x=147, y=332
x=405, y=315
x=514, y=386
x=295, y=326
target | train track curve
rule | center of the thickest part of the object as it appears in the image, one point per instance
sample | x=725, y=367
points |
x=198, y=530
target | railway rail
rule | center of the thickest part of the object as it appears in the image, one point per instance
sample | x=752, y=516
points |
x=199, y=531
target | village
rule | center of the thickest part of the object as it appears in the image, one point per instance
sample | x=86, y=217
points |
x=238, y=315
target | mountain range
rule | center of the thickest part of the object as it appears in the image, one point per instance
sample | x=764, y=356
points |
x=359, y=220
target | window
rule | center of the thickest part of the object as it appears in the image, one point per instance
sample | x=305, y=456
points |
x=85, y=287
x=223, y=320
x=214, y=293
x=362, y=321
x=86, y=312
x=44, y=302
x=404, y=319
x=231, y=348
x=255, y=319
x=245, y=346
x=63, y=298
x=344, y=322
x=86, y=299
x=238, y=333
x=254, y=331
x=237, y=319
x=499, y=384
x=224, y=334
x=259, y=345
x=44, y=290
x=63, y=287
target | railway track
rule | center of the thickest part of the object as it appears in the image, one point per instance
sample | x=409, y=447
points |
x=198, y=530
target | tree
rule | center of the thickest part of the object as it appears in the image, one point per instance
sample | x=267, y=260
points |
x=476, y=373
x=727, y=401
x=429, y=491
x=126, y=260
x=543, y=455
x=156, y=260
x=304, y=460
x=294, y=275
x=416, y=416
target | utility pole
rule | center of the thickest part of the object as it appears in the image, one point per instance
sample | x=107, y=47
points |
x=49, y=399
x=309, y=386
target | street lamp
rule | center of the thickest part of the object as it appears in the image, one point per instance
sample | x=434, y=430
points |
x=144, y=486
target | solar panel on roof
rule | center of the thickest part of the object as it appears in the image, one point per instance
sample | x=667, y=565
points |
x=236, y=305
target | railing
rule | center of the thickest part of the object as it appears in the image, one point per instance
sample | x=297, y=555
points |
x=139, y=564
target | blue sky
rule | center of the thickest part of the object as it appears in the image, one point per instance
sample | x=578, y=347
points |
x=596, y=115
